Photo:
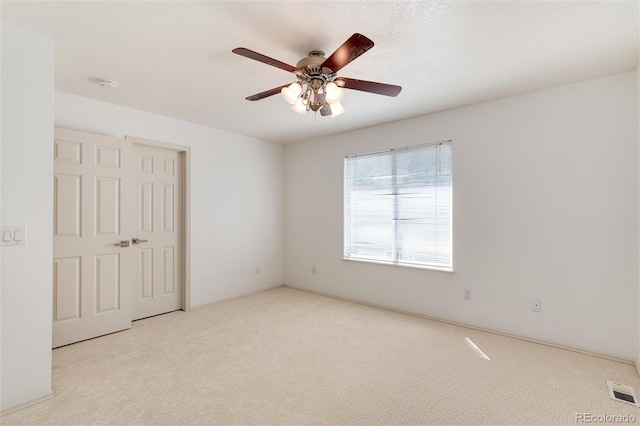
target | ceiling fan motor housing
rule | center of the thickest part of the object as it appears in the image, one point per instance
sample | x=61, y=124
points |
x=312, y=70
x=315, y=57
x=314, y=76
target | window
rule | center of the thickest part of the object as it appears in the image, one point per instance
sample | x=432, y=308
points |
x=398, y=206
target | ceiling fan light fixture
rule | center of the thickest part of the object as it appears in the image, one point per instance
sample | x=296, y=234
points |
x=333, y=93
x=291, y=93
x=299, y=107
x=336, y=109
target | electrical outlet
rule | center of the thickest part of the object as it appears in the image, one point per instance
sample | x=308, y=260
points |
x=257, y=270
x=467, y=294
x=313, y=270
x=536, y=305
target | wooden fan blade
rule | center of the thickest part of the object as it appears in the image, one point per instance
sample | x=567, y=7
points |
x=369, y=86
x=266, y=93
x=262, y=58
x=355, y=46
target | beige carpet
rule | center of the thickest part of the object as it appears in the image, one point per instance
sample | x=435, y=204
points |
x=290, y=357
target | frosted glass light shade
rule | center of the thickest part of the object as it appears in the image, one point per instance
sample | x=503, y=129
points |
x=299, y=107
x=333, y=94
x=291, y=93
x=336, y=109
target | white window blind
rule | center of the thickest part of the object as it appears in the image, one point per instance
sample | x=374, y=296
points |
x=398, y=206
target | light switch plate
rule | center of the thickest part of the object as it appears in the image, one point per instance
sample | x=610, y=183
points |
x=14, y=235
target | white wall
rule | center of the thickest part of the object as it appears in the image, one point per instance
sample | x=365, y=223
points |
x=545, y=206
x=26, y=289
x=638, y=135
x=237, y=202
x=237, y=195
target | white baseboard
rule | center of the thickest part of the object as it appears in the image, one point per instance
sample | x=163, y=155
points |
x=238, y=297
x=638, y=366
x=473, y=327
x=27, y=402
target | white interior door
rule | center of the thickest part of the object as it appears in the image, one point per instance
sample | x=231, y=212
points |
x=92, y=276
x=158, y=240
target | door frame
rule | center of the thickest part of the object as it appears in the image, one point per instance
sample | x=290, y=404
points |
x=185, y=153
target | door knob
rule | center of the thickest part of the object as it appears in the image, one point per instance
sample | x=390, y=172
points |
x=123, y=243
x=138, y=241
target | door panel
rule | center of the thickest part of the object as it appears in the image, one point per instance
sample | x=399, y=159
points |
x=108, y=208
x=66, y=289
x=67, y=151
x=92, y=203
x=146, y=273
x=168, y=206
x=67, y=205
x=158, y=286
x=146, y=206
x=168, y=277
x=108, y=282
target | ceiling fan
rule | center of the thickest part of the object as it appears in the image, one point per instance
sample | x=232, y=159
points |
x=318, y=88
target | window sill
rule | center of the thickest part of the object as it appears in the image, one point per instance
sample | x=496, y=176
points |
x=400, y=265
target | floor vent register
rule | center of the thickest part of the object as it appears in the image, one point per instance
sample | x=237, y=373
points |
x=623, y=393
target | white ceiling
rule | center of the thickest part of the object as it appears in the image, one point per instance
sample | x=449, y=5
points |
x=174, y=58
